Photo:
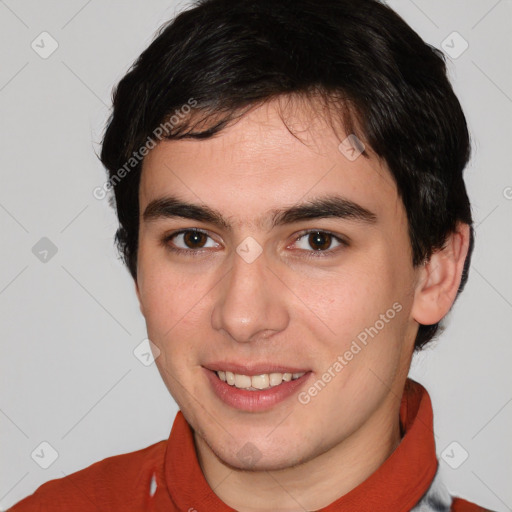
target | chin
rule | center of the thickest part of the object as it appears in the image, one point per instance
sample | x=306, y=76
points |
x=257, y=461
x=260, y=454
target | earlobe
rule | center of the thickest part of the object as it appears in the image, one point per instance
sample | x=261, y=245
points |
x=440, y=277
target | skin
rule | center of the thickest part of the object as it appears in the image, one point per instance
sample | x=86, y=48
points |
x=286, y=307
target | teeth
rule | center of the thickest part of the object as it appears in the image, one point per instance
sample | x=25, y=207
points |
x=257, y=382
x=275, y=379
x=242, y=381
x=260, y=381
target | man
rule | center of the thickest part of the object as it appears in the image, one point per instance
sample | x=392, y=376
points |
x=288, y=181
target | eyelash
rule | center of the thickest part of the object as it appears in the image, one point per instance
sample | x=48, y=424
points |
x=309, y=254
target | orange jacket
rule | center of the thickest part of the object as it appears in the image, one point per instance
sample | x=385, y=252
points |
x=167, y=477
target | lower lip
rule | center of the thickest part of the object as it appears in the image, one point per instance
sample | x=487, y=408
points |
x=254, y=401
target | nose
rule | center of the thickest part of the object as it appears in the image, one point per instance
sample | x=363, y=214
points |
x=251, y=303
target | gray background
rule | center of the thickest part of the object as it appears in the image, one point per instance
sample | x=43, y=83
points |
x=69, y=324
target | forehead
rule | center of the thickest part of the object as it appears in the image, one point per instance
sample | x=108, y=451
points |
x=268, y=158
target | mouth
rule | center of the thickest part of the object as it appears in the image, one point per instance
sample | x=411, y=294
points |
x=257, y=382
x=253, y=389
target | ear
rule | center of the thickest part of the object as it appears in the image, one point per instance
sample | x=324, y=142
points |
x=137, y=291
x=439, y=278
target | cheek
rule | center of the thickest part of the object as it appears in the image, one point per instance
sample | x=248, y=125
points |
x=359, y=314
x=176, y=323
x=171, y=299
x=345, y=301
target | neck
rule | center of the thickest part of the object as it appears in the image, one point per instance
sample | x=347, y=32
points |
x=311, y=485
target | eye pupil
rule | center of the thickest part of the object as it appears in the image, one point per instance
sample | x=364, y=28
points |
x=194, y=239
x=320, y=241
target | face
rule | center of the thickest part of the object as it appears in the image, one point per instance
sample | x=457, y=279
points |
x=281, y=263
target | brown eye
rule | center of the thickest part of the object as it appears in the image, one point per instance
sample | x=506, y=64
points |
x=320, y=241
x=194, y=239
x=189, y=240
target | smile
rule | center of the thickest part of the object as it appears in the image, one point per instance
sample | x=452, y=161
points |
x=257, y=392
x=257, y=382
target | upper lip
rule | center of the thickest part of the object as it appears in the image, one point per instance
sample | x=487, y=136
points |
x=252, y=369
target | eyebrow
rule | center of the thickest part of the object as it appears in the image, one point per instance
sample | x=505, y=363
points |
x=331, y=206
